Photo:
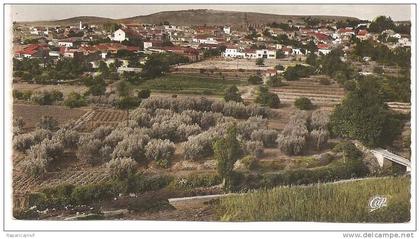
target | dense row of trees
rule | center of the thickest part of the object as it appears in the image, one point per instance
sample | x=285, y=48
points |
x=364, y=116
x=399, y=56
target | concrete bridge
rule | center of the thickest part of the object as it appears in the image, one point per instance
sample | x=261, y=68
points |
x=384, y=157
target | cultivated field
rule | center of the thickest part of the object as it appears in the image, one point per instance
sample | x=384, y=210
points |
x=237, y=64
x=101, y=117
x=64, y=88
x=31, y=114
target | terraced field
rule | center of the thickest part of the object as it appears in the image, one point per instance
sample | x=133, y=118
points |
x=327, y=95
x=97, y=117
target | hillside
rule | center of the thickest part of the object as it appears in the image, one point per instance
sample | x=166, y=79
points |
x=215, y=17
x=70, y=21
x=193, y=17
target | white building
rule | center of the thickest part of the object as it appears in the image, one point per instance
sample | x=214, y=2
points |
x=249, y=53
x=207, y=40
x=65, y=43
x=118, y=35
x=147, y=44
x=265, y=53
x=233, y=53
x=226, y=30
x=297, y=51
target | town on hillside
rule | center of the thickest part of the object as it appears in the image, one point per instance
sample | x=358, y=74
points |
x=303, y=118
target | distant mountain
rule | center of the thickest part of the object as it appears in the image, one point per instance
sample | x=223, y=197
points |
x=194, y=17
x=216, y=17
x=72, y=21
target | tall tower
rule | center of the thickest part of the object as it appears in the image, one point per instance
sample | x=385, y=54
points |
x=80, y=25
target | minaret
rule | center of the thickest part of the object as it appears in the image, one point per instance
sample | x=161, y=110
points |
x=80, y=25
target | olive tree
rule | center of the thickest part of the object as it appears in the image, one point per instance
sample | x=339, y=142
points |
x=48, y=122
x=132, y=147
x=36, y=167
x=88, y=150
x=292, y=139
x=121, y=168
x=159, y=150
x=267, y=136
x=254, y=148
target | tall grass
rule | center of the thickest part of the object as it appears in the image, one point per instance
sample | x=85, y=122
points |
x=189, y=85
x=340, y=202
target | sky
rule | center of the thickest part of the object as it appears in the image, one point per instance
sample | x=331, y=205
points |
x=56, y=12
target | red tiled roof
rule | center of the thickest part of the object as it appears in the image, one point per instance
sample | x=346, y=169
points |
x=362, y=33
x=345, y=30
x=323, y=46
x=30, y=49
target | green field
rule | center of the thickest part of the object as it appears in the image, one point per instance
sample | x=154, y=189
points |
x=343, y=202
x=189, y=85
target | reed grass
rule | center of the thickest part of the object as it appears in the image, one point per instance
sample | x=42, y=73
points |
x=338, y=202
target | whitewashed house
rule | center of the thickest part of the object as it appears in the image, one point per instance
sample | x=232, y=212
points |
x=65, y=43
x=231, y=52
x=118, y=35
x=226, y=30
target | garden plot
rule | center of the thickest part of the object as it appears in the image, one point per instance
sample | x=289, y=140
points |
x=101, y=117
x=65, y=89
x=31, y=114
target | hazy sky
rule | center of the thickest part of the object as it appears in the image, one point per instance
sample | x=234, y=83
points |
x=54, y=12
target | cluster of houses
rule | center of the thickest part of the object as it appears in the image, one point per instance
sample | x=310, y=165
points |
x=96, y=42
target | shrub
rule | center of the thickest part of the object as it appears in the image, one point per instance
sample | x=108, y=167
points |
x=121, y=168
x=254, y=148
x=41, y=134
x=140, y=183
x=117, y=135
x=267, y=98
x=325, y=81
x=349, y=85
x=18, y=124
x=47, y=149
x=46, y=97
x=267, y=136
x=199, y=146
x=255, y=80
x=303, y=103
x=209, y=119
x=279, y=67
x=88, y=150
x=102, y=132
x=292, y=140
x=298, y=71
x=75, y=100
x=37, y=199
x=246, y=128
x=349, y=150
x=320, y=119
x=22, y=95
x=22, y=142
x=184, y=131
x=165, y=130
x=159, y=150
x=35, y=167
x=47, y=122
x=91, y=193
x=132, y=147
x=319, y=137
x=291, y=144
x=232, y=94
x=259, y=62
x=196, y=180
x=141, y=116
x=249, y=162
x=275, y=81
x=69, y=138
